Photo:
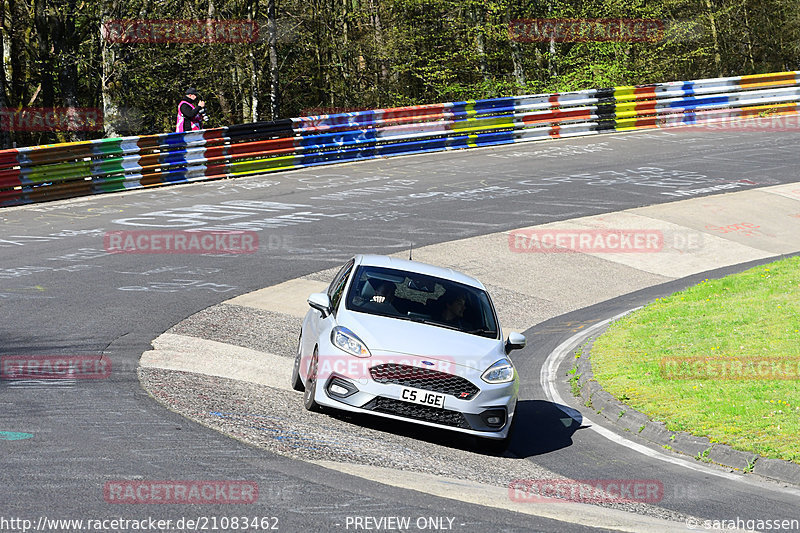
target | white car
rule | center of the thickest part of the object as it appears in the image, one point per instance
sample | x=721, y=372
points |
x=409, y=341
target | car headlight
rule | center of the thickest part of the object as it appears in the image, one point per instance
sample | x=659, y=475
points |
x=500, y=372
x=348, y=341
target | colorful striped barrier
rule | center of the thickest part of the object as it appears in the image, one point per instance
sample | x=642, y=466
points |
x=52, y=172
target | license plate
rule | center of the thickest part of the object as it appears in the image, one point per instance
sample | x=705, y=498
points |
x=422, y=397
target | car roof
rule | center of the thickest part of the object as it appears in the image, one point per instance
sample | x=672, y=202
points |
x=415, y=266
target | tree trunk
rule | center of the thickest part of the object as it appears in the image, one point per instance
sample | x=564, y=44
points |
x=224, y=103
x=5, y=135
x=242, y=100
x=43, y=28
x=108, y=56
x=516, y=55
x=319, y=82
x=713, y=21
x=67, y=42
x=17, y=54
x=379, y=44
x=272, y=30
x=252, y=16
x=479, y=21
x=748, y=39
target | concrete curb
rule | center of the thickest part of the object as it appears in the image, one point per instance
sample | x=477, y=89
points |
x=701, y=449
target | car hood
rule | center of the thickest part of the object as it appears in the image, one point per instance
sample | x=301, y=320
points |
x=391, y=337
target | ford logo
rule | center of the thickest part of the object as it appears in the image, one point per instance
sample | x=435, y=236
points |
x=427, y=363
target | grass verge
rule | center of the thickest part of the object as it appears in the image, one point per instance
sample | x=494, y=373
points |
x=720, y=359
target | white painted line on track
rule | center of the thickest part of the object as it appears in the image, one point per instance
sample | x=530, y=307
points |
x=549, y=376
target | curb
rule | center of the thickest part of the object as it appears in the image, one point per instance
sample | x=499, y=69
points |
x=701, y=449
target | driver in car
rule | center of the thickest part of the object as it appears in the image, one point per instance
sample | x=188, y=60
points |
x=382, y=301
x=455, y=304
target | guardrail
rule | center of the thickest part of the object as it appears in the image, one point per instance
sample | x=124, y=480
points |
x=51, y=172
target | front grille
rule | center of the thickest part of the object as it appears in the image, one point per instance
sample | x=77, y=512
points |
x=444, y=417
x=424, y=378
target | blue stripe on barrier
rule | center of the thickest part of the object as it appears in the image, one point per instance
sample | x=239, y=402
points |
x=693, y=103
x=362, y=136
x=174, y=139
x=503, y=137
x=177, y=175
x=173, y=157
x=331, y=140
x=494, y=103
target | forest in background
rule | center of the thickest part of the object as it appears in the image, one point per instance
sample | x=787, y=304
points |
x=326, y=55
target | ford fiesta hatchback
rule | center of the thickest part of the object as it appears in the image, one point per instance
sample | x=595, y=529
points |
x=409, y=341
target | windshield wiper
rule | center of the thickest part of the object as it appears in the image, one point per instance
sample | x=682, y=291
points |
x=430, y=322
x=482, y=332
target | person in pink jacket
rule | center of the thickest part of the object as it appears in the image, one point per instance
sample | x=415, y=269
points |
x=191, y=112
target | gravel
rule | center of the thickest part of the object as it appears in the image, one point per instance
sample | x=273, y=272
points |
x=275, y=420
x=257, y=329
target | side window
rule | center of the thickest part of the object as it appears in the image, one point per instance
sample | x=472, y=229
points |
x=337, y=285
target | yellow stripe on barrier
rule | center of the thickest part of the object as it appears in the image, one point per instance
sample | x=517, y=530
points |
x=625, y=92
x=264, y=165
x=470, y=109
x=465, y=126
x=69, y=169
x=777, y=79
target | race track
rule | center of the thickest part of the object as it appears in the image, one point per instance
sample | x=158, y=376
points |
x=63, y=294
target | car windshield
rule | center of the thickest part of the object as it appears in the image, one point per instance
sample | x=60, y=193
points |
x=420, y=298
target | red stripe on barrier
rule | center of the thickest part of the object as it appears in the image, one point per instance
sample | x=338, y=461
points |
x=557, y=115
x=648, y=122
x=8, y=158
x=645, y=106
x=644, y=93
x=10, y=178
x=407, y=112
x=271, y=146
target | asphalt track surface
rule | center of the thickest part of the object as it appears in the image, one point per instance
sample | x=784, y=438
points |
x=62, y=294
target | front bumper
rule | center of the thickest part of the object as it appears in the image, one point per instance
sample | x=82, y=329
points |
x=488, y=413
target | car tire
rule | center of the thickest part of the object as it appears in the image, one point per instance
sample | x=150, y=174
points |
x=494, y=446
x=297, y=383
x=311, y=384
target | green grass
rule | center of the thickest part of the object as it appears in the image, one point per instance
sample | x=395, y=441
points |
x=754, y=314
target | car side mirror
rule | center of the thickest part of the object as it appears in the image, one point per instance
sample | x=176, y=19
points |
x=320, y=302
x=515, y=342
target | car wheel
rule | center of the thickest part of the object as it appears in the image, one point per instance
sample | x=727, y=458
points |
x=297, y=383
x=311, y=384
x=494, y=446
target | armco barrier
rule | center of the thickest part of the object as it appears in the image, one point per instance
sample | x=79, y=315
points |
x=59, y=171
